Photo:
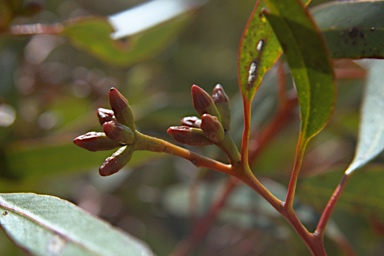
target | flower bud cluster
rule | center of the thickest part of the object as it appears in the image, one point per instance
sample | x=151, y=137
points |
x=213, y=123
x=119, y=132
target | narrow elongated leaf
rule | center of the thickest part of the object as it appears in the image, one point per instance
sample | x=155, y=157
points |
x=258, y=51
x=352, y=29
x=258, y=47
x=47, y=225
x=371, y=132
x=309, y=62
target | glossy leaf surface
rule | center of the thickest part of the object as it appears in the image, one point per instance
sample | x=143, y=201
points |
x=259, y=45
x=309, y=62
x=371, y=131
x=47, y=225
x=352, y=29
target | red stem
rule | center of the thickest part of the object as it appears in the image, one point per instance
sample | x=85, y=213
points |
x=259, y=142
x=246, y=132
x=321, y=226
x=158, y=145
x=300, y=150
x=313, y=243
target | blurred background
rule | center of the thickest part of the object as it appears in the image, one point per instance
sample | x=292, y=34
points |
x=52, y=84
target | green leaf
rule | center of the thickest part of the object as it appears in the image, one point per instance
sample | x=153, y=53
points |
x=352, y=29
x=258, y=45
x=363, y=195
x=47, y=225
x=258, y=51
x=94, y=35
x=371, y=131
x=309, y=62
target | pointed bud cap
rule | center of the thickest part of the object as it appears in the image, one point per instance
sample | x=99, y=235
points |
x=96, y=141
x=121, y=108
x=203, y=102
x=212, y=128
x=191, y=121
x=189, y=136
x=221, y=100
x=119, y=132
x=105, y=115
x=117, y=161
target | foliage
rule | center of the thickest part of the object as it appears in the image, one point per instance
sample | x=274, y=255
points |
x=58, y=70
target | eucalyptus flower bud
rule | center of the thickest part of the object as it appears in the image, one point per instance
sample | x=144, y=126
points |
x=188, y=135
x=212, y=128
x=221, y=101
x=203, y=102
x=121, y=108
x=119, y=132
x=191, y=121
x=95, y=141
x=105, y=115
x=117, y=161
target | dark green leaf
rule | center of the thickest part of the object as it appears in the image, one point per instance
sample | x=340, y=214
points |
x=309, y=62
x=47, y=225
x=258, y=46
x=352, y=29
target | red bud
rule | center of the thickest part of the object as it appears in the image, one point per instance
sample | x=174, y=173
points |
x=105, y=115
x=95, y=141
x=189, y=136
x=212, y=128
x=191, y=121
x=121, y=108
x=117, y=161
x=221, y=101
x=203, y=102
x=118, y=132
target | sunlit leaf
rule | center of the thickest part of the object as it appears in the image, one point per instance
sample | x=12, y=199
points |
x=371, y=131
x=149, y=14
x=352, y=29
x=259, y=46
x=363, y=195
x=258, y=51
x=47, y=225
x=308, y=60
